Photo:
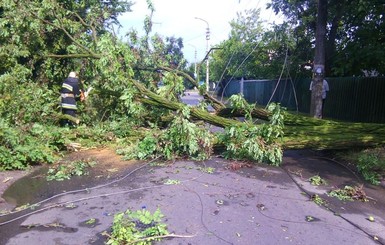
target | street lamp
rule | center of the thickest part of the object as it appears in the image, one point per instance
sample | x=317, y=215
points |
x=207, y=50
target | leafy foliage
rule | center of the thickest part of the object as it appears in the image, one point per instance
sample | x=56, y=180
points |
x=20, y=147
x=83, y=42
x=36, y=30
x=318, y=200
x=238, y=102
x=239, y=53
x=146, y=148
x=172, y=87
x=258, y=142
x=65, y=171
x=351, y=26
x=41, y=143
x=208, y=170
x=184, y=137
x=138, y=227
x=254, y=51
x=172, y=182
x=317, y=180
x=26, y=103
x=371, y=164
x=349, y=193
x=181, y=138
x=43, y=40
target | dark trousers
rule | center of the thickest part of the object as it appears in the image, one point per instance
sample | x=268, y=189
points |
x=66, y=122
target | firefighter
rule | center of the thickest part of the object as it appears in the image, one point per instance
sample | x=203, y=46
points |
x=70, y=94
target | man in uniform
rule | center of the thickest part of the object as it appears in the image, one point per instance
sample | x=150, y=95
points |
x=325, y=90
x=70, y=94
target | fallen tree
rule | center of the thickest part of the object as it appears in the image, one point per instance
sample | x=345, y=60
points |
x=125, y=77
x=299, y=131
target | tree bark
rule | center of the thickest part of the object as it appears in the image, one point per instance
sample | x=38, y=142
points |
x=319, y=60
x=156, y=100
x=299, y=132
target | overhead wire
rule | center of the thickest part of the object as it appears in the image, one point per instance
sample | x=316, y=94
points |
x=285, y=67
x=243, y=61
x=280, y=77
x=294, y=91
x=239, y=66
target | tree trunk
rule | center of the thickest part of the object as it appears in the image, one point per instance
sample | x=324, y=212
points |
x=299, y=132
x=319, y=61
x=156, y=100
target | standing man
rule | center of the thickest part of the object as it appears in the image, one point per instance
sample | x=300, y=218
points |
x=70, y=94
x=325, y=89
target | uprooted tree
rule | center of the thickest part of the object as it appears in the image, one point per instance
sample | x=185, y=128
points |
x=125, y=75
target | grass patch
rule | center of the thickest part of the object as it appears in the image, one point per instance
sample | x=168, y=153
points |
x=370, y=163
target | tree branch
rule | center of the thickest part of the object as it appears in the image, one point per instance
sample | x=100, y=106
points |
x=63, y=56
x=300, y=131
x=95, y=38
x=157, y=100
x=216, y=104
x=66, y=32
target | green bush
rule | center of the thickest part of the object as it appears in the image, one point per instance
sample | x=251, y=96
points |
x=370, y=164
x=20, y=147
x=27, y=103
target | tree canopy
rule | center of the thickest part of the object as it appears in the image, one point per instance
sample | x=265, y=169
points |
x=355, y=33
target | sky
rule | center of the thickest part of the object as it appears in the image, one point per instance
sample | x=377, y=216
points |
x=178, y=18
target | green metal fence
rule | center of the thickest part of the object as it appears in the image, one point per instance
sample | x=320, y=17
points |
x=356, y=99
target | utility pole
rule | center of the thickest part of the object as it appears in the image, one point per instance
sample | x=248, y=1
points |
x=207, y=50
